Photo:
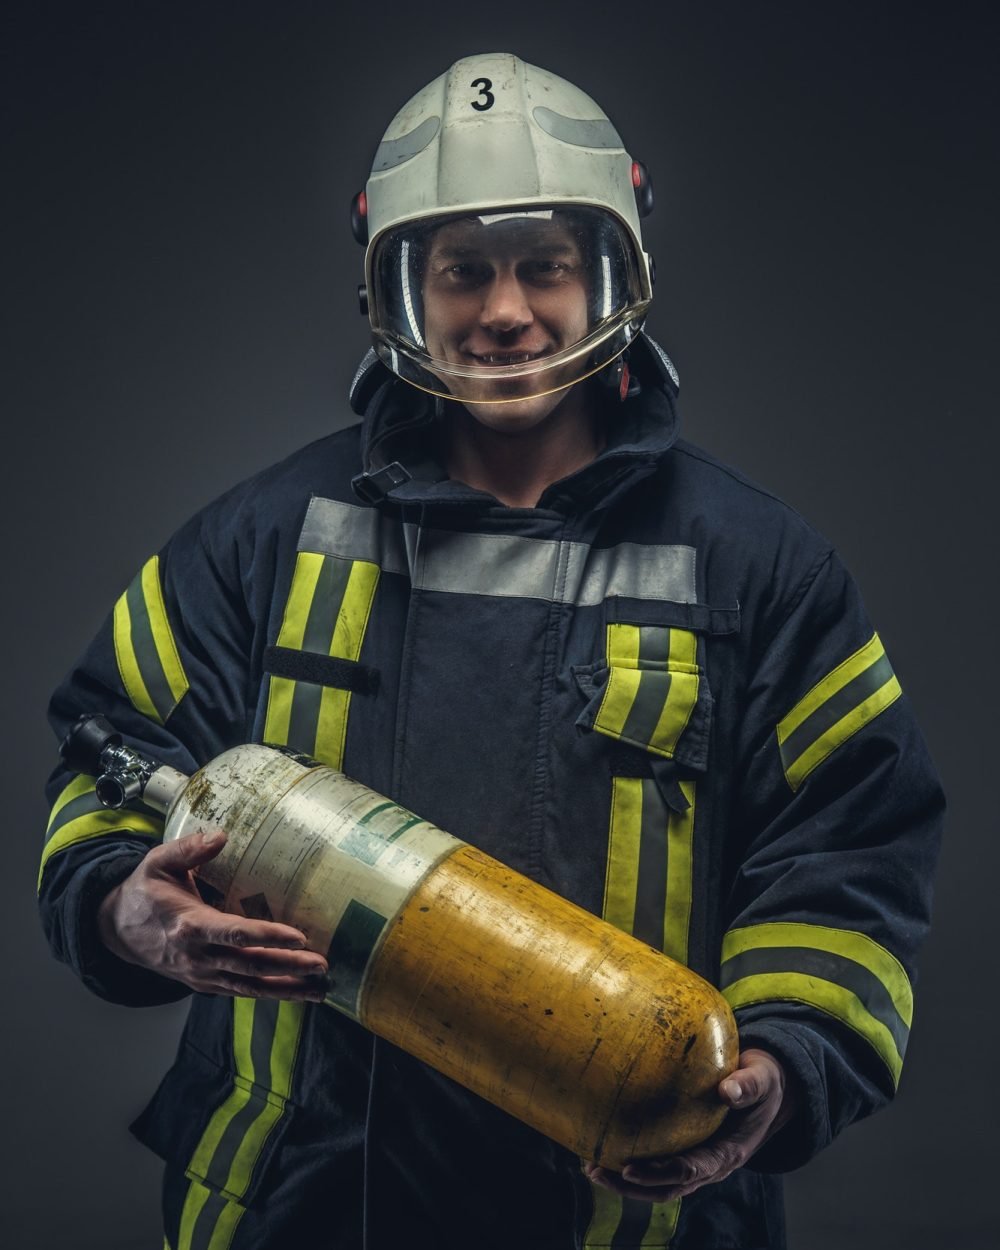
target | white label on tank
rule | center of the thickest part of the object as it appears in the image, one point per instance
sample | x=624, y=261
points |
x=339, y=862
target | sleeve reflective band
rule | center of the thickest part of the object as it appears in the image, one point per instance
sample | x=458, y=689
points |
x=78, y=815
x=652, y=686
x=148, y=660
x=837, y=971
x=835, y=709
x=327, y=613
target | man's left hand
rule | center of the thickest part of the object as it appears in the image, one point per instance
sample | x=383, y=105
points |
x=761, y=1103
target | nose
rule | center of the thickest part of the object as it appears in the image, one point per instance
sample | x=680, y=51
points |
x=505, y=304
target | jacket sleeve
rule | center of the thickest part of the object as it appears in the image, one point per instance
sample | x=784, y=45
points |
x=169, y=669
x=841, y=812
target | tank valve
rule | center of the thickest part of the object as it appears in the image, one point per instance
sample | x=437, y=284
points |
x=93, y=745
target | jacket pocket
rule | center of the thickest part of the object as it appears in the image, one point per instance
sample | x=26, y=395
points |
x=220, y=1129
x=650, y=692
x=651, y=689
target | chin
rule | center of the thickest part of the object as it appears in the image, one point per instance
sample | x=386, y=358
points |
x=515, y=415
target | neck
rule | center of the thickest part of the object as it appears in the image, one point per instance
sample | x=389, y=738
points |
x=516, y=465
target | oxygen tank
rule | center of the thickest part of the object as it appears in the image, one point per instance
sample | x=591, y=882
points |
x=576, y=1028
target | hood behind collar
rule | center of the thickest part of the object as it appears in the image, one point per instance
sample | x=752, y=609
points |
x=400, y=464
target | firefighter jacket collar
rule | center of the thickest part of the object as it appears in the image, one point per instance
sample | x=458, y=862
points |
x=401, y=466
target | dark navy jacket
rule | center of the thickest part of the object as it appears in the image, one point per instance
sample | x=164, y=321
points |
x=656, y=692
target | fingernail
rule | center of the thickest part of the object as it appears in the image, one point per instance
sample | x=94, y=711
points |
x=733, y=1090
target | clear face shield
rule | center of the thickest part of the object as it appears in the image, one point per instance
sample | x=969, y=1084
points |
x=505, y=305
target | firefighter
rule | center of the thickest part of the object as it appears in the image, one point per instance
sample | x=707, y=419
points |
x=515, y=602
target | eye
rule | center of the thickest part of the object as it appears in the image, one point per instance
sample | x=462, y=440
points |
x=464, y=273
x=545, y=270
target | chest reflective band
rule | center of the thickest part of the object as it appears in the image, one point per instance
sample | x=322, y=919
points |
x=327, y=612
x=647, y=893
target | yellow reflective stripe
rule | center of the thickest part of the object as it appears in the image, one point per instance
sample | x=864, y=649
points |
x=281, y=690
x=677, y=708
x=241, y=1169
x=839, y=705
x=197, y=1196
x=239, y=1096
x=352, y=619
x=243, y=1010
x=605, y=1220
x=683, y=651
x=620, y=896
x=650, y=694
x=128, y=665
x=163, y=637
x=623, y=645
x=662, y=1225
x=225, y=1227
x=839, y=733
x=204, y=1152
x=308, y=566
x=682, y=694
x=270, y=1089
x=623, y=678
x=348, y=635
x=824, y=995
x=622, y=874
x=96, y=825
x=82, y=783
x=287, y=1034
x=846, y=942
x=331, y=728
x=600, y=1235
x=279, y=709
x=148, y=660
x=855, y=664
x=619, y=695
x=677, y=909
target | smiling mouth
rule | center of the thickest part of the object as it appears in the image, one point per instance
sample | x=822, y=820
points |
x=507, y=357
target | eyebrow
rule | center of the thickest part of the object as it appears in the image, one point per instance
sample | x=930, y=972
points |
x=456, y=251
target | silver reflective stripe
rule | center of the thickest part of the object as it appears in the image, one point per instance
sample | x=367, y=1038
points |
x=392, y=152
x=637, y=571
x=352, y=532
x=500, y=565
x=668, y=364
x=582, y=133
x=369, y=360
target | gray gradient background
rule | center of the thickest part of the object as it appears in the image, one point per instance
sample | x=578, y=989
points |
x=179, y=301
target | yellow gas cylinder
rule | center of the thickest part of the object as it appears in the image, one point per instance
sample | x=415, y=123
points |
x=578, y=1029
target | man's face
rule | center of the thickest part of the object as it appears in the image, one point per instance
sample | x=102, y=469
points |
x=501, y=294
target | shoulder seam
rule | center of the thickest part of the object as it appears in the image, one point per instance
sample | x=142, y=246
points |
x=688, y=449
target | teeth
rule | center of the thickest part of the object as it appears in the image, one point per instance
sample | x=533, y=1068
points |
x=514, y=358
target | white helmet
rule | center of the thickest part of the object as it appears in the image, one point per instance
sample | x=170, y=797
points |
x=504, y=256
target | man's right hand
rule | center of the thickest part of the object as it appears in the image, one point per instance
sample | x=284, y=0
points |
x=156, y=918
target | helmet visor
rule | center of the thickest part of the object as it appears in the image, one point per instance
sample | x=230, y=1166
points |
x=505, y=305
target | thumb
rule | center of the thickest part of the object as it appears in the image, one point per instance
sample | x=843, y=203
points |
x=180, y=854
x=753, y=1081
